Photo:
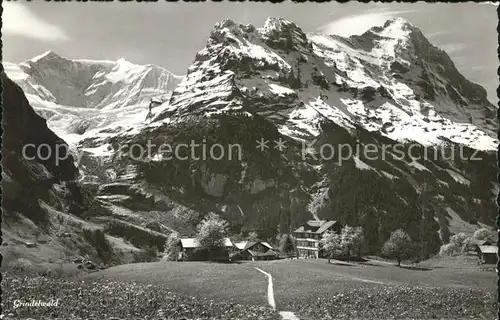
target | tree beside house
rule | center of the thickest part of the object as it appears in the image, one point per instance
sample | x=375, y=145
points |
x=349, y=242
x=287, y=246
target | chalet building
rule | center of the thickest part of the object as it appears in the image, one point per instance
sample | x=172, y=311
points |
x=309, y=234
x=254, y=250
x=488, y=254
x=189, y=248
x=475, y=244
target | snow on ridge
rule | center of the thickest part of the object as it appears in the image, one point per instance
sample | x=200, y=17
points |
x=409, y=119
x=122, y=63
x=105, y=98
x=280, y=90
x=396, y=34
x=458, y=177
x=274, y=23
x=412, y=119
x=398, y=23
x=104, y=150
x=14, y=71
x=108, y=63
x=124, y=71
x=362, y=165
x=46, y=55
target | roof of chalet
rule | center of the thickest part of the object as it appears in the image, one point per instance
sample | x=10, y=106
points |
x=268, y=253
x=242, y=245
x=488, y=249
x=481, y=242
x=316, y=226
x=188, y=243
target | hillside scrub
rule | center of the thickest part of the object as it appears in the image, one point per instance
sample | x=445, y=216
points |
x=136, y=236
x=149, y=254
x=97, y=239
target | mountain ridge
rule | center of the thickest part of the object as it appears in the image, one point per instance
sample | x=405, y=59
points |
x=77, y=96
x=279, y=83
x=230, y=48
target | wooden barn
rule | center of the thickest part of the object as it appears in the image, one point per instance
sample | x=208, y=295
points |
x=191, y=250
x=488, y=254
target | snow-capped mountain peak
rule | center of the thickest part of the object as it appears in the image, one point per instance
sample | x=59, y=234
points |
x=399, y=23
x=388, y=77
x=48, y=55
x=392, y=42
x=79, y=98
x=394, y=28
x=277, y=25
x=299, y=80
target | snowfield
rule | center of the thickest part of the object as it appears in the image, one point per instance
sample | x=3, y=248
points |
x=84, y=99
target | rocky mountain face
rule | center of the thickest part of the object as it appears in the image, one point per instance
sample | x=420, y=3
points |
x=389, y=78
x=44, y=207
x=31, y=181
x=310, y=94
x=43, y=203
x=428, y=71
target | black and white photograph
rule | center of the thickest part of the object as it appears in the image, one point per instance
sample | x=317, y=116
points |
x=249, y=160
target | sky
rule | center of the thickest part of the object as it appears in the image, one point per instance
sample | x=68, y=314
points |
x=170, y=34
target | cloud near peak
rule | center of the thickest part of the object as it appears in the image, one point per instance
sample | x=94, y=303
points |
x=19, y=20
x=358, y=24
